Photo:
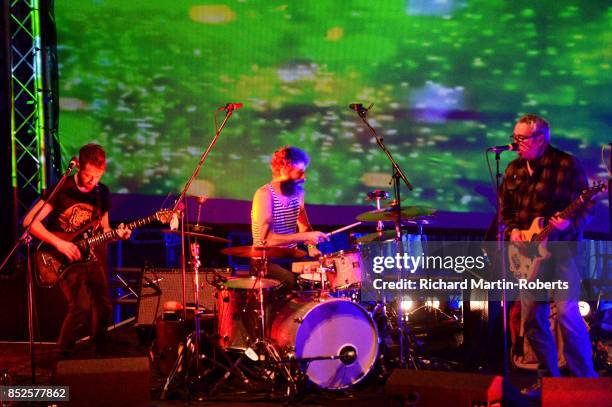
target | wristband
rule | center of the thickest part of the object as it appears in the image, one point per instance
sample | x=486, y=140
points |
x=311, y=246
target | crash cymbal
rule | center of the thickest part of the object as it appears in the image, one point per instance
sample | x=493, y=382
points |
x=388, y=213
x=202, y=236
x=271, y=252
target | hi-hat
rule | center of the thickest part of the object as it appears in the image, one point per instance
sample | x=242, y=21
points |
x=270, y=252
x=388, y=214
x=197, y=227
x=202, y=236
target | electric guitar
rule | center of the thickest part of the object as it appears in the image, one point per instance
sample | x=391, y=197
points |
x=525, y=258
x=51, y=265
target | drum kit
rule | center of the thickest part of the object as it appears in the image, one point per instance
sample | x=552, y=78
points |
x=319, y=334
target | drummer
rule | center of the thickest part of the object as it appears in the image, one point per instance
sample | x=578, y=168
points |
x=278, y=215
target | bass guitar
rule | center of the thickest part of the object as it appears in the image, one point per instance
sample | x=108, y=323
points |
x=525, y=258
x=51, y=265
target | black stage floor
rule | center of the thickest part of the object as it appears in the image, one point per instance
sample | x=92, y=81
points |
x=128, y=342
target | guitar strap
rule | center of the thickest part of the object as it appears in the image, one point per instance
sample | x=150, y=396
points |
x=98, y=212
x=97, y=217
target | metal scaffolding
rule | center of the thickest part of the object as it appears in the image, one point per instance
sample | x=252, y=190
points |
x=31, y=140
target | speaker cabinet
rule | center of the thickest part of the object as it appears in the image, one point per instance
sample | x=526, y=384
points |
x=576, y=391
x=105, y=382
x=162, y=285
x=430, y=388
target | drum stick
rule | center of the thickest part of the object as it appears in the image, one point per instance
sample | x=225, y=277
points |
x=342, y=229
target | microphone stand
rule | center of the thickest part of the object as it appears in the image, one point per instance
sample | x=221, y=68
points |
x=610, y=192
x=397, y=175
x=180, y=206
x=26, y=239
x=502, y=262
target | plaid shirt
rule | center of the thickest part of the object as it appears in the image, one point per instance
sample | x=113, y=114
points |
x=557, y=180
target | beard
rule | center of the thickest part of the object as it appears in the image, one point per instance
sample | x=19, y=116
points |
x=291, y=186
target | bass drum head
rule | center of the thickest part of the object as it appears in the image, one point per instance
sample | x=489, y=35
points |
x=330, y=328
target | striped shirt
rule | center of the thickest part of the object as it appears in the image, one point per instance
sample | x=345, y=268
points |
x=284, y=218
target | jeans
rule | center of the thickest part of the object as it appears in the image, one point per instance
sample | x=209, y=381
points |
x=86, y=290
x=535, y=317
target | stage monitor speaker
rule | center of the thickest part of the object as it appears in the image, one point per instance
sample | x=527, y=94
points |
x=160, y=285
x=576, y=391
x=105, y=382
x=430, y=388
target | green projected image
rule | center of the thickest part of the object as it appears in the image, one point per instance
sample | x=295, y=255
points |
x=447, y=79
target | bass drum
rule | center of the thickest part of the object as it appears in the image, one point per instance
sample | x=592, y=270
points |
x=330, y=327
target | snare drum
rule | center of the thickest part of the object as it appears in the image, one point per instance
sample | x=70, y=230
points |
x=238, y=308
x=312, y=281
x=343, y=269
x=307, y=328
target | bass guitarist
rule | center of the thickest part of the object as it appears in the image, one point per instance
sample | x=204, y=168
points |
x=81, y=201
x=542, y=182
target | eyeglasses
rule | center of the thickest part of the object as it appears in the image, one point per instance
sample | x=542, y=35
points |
x=518, y=138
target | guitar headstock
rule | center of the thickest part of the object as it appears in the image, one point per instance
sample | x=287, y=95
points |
x=588, y=194
x=164, y=215
x=598, y=186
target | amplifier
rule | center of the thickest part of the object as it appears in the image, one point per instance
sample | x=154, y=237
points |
x=159, y=285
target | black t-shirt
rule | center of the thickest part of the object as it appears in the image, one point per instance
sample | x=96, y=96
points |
x=73, y=209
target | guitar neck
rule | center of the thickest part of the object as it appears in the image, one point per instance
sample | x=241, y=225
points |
x=566, y=213
x=112, y=235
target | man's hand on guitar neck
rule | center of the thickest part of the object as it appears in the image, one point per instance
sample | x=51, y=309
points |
x=558, y=222
x=123, y=232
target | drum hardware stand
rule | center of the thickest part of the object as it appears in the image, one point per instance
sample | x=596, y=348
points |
x=182, y=359
x=267, y=352
x=195, y=264
x=322, y=270
x=180, y=207
x=378, y=195
x=184, y=350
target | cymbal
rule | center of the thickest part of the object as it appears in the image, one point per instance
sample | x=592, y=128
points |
x=388, y=214
x=196, y=228
x=202, y=236
x=271, y=252
x=374, y=237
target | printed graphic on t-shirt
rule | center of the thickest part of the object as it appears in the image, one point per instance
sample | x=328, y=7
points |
x=75, y=217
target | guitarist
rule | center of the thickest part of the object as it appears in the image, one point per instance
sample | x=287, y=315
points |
x=80, y=201
x=543, y=181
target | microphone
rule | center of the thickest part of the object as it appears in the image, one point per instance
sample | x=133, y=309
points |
x=74, y=161
x=358, y=107
x=231, y=106
x=507, y=147
x=347, y=355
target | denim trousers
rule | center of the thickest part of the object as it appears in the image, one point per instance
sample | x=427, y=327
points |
x=85, y=288
x=535, y=314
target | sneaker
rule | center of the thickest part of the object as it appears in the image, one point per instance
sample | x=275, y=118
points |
x=533, y=392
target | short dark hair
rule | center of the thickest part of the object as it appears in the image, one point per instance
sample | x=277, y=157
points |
x=92, y=154
x=287, y=155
